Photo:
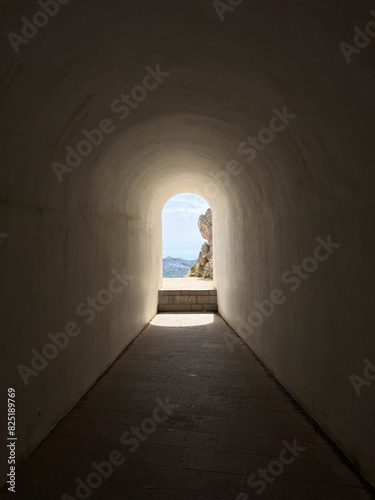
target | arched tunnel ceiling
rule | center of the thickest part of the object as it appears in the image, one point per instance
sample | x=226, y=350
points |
x=225, y=78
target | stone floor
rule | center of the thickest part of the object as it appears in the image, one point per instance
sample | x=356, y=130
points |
x=187, y=284
x=224, y=418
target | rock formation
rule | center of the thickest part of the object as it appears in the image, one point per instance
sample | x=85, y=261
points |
x=203, y=266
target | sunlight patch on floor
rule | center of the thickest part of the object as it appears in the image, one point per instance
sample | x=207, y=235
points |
x=181, y=319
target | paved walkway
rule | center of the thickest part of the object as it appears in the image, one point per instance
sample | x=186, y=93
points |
x=187, y=284
x=187, y=413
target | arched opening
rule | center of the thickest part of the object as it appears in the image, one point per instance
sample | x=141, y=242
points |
x=185, y=231
x=187, y=285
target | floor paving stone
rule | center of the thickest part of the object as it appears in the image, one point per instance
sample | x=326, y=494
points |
x=221, y=418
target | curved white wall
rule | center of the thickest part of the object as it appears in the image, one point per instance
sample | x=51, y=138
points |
x=313, y=180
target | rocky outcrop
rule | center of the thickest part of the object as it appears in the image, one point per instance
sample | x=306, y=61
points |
x=203, y=267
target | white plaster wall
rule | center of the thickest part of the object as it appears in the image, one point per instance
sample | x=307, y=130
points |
x=315, y=179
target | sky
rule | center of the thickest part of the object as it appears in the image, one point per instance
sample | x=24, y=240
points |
x=181, y=236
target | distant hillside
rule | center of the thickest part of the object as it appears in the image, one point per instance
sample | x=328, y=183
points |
x=176, y=268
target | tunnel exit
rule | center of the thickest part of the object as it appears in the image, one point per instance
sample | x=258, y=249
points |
x=188, y=283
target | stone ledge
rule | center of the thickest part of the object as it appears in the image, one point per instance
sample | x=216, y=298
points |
x=185, y=299
x=207, y=300
x=187, y=307
x=166, y=299
x=197, y=307
x=174, y=307
x=210, y=307
x=188, y=292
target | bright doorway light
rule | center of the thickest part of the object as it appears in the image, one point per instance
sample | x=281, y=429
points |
x=182, y=240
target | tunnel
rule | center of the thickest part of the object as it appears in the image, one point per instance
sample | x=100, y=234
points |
x=109, y=110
